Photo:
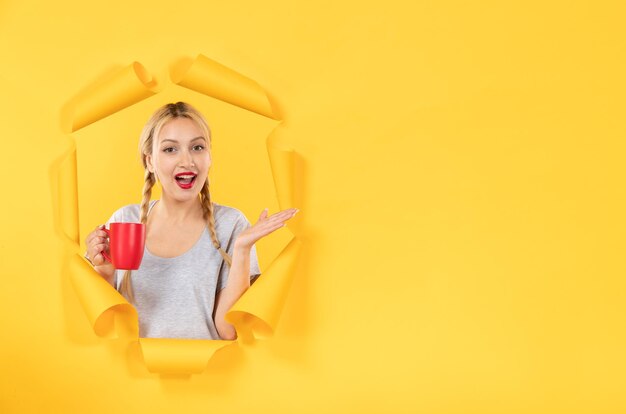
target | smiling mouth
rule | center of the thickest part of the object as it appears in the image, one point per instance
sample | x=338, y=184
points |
x=185, y=181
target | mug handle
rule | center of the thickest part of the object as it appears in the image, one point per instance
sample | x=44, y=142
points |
x=107, y=231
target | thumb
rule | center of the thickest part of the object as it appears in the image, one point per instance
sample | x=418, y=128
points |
x=263, y=214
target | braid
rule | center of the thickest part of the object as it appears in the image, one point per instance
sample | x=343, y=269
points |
x=209, y=217
x=147, y=193
x=145, y=202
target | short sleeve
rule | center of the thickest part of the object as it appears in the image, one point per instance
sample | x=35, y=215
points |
x=240, y=225
x=109, y=221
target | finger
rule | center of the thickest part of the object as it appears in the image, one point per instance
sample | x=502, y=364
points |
x=98, y=232
x=270, y=227
x=90, y=236
x=285, y=213
x=96, y=249
x=99, y=260
x=288, y=211
x=273, y=228
x=263, y=214
x=100, y=255
x=96, y=240
x=277, y=222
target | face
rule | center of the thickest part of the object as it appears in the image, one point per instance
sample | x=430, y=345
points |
x=180, y=159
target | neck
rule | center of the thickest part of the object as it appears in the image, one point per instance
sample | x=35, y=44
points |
x=174, y=211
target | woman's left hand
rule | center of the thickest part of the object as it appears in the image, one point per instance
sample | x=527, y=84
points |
x=264, y=226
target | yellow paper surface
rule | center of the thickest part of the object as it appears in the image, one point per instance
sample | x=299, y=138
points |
x=459, y=167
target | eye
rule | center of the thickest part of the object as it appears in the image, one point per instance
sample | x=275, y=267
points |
x=169, y=149
x=198, y=147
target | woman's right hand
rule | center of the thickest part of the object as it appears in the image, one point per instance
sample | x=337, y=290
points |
x=96, y=242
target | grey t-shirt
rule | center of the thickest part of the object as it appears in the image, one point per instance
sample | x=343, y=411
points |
x=175, y=297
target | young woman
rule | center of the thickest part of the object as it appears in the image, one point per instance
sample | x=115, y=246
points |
x=199, y=256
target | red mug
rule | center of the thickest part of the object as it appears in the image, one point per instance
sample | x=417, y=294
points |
x=126, y=244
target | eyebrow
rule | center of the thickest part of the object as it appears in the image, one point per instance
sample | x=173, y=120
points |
x=173, y=140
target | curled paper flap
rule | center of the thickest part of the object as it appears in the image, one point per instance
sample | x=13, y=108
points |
x=213, y=79
x=179, y=356
x=121, y=90
x=282, y=163
x=258, y=311
x=110, y=315
x=66, y=211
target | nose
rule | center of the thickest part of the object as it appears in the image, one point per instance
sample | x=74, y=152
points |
x=186, y=158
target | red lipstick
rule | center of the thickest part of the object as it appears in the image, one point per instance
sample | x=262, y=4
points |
x=186, y=180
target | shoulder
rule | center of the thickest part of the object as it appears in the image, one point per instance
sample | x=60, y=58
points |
x=127, y=213
x=226, y=215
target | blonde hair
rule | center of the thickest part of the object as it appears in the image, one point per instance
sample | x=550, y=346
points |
x=151, y=130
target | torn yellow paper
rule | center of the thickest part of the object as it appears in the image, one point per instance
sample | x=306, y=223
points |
x=120, y=90
x=210, y=78
x=282, y=170
x=109, y=313
x=179, y=356
x=66, y=211
x=258, y=311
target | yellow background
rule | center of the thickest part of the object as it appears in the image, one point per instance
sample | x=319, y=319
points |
x=461, y=190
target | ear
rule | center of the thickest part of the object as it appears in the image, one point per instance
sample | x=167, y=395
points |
x=149, y=163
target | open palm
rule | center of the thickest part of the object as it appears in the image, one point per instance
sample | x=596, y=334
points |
x=264, y=226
